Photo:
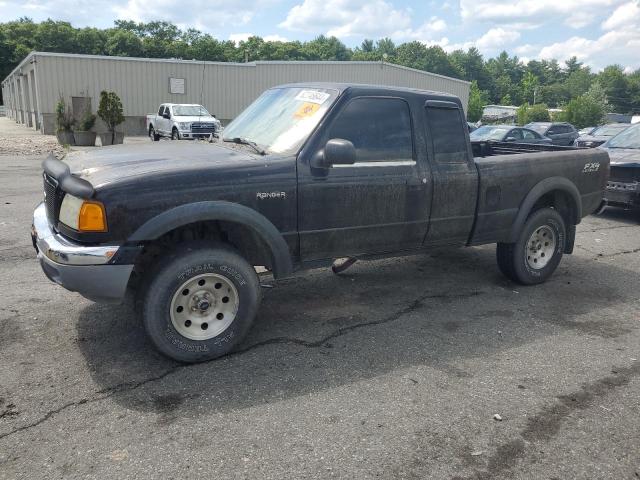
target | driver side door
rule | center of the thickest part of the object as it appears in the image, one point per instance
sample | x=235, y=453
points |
x=378, y=204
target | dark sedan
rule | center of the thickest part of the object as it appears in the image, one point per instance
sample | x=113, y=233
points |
x=600, y=135
x=507, y=133
x=560, y=133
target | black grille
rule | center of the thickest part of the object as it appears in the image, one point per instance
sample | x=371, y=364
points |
x=624, y=174
x=199, y=127
x=52, y=198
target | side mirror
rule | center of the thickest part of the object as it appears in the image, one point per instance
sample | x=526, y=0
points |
x=166, y=115
x=337, y=151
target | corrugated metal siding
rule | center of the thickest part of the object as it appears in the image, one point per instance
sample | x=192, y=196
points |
x=227, y=88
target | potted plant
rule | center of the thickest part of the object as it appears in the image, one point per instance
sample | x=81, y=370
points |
x=110, y=111
x=64, y=123
x=83, y=134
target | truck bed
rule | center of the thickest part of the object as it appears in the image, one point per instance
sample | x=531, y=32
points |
x=506, y=178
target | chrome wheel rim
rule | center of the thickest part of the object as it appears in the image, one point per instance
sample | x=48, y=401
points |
x=540, y=247
x=152, y=133
x=204, y=306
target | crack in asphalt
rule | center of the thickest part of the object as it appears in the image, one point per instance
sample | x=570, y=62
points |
x=607, y=255
x=131, y=386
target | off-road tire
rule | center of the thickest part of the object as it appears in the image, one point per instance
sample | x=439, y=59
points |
x=194, y=260
x=513, y=257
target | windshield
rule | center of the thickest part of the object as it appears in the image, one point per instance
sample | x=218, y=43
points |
x=190, y=111
x=628, y=138
x=609, y=130
x=541, y=128
x=489, y=133
x=281, y=119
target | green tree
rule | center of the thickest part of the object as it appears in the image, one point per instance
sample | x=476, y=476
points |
x=584, y=111
x=506, y=100
x=477, y=100
x=616, y=86
x=123, y=43
x=529, y=85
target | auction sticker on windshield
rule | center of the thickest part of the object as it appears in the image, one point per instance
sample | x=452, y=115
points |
x=306, y=110
x=313, y=96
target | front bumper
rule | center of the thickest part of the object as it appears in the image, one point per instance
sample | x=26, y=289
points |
x=78, y=268
x=626, y=194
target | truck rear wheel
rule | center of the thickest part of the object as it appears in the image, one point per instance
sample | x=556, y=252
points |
x=153, y=135
x=536, y=254
x=200, y=303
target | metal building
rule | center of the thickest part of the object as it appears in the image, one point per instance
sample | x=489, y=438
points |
x=34, y=87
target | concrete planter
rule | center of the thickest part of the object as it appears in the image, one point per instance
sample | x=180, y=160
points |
x=85, y=139
x=65, y=137
x=105, y=138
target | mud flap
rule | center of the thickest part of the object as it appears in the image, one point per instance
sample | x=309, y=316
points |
x=341, y=264
x=571, y=239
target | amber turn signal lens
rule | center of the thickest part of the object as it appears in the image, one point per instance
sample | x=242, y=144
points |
x=92, y=217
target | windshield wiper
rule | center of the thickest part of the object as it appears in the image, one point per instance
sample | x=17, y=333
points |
x=246, y=141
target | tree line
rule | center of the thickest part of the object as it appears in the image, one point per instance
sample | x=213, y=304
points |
x=505, y=79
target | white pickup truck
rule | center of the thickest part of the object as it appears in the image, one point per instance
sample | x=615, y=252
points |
x=179, y=121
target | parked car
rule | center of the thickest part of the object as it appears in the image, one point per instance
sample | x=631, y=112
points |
x=600, y=135
x=342, y=171
x=507, y=133
x=179, y=121
x=560, y=133
x=623, y=187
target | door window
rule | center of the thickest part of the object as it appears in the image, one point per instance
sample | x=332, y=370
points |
x=528, y=135
x=515, y=133
x=161, y=110
x=379, y=128
x=446, y=128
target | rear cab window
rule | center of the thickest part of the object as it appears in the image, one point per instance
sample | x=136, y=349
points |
x=446, y=128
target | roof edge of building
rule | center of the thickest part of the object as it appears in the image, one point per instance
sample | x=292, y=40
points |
x=236, y=64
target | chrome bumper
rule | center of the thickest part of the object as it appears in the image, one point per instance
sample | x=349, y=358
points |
x=79, y=268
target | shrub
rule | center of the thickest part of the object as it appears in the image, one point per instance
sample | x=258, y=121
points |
x=64, y=116
x=87, y=121
x=533, y=113
x=110, y=111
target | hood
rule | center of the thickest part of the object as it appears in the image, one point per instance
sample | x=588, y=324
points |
x=111, y=164
x=593, y=138
x=202, y=118
x=623, y=156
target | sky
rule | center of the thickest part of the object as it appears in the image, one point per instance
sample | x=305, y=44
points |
x=598, y=32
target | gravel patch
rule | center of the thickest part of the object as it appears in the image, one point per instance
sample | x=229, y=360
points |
x=19, y=140
x=41, y=145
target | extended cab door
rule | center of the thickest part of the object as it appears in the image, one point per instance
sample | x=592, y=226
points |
x=378, y=204
x=160, y=120
x=455, y=177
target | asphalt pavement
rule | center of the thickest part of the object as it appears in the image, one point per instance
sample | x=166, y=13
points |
x=394, y=369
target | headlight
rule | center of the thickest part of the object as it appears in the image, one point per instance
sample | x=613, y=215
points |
x=83, y=215
x=184, y=125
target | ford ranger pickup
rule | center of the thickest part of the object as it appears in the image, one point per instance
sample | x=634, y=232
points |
x=307, y=174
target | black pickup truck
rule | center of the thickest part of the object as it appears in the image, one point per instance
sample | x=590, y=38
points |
x=307, y=174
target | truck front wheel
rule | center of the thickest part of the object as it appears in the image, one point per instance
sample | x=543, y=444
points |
x=200, y=303
x=536, y=254
x=175, y=135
